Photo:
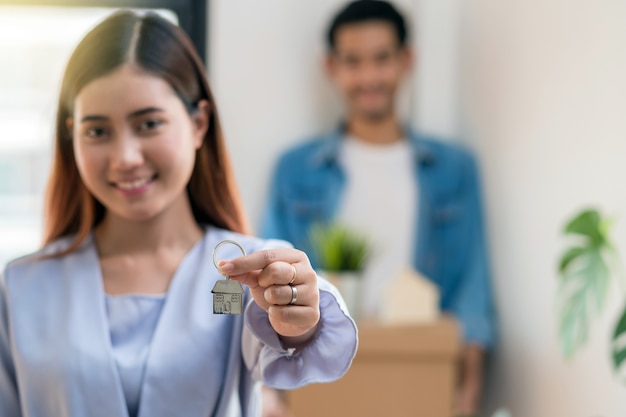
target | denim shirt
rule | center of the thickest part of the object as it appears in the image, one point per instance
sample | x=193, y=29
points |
x=450, y=245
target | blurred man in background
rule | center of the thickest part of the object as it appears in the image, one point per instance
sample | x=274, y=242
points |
x=417, y=198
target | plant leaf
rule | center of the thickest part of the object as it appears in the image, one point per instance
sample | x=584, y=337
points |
x=569, y=256
x=574, y=323
x=338, y=248
x=597, y=272
x=589, y=224
x=619, y=352
x=585, y=279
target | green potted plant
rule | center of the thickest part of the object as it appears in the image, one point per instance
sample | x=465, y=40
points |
x=588, y=269
x=341, y=254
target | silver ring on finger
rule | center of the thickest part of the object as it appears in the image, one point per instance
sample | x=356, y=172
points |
x=294, y=294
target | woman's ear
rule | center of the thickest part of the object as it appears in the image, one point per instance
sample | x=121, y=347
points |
x=69, y=125
x=200, y=119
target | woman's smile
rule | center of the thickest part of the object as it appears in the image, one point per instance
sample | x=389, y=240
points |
x=134, y=186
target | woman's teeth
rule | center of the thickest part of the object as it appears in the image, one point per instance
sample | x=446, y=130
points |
x=133, y=184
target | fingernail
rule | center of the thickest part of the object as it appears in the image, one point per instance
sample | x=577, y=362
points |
x=225, y=267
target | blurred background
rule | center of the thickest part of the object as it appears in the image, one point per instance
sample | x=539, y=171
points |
x=537, y=88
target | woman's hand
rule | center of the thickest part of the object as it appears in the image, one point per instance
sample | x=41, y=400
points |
x=275, y=277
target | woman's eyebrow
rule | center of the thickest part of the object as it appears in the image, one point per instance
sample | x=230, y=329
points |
x=141, y=112
x=93, y=118
x=136, y=113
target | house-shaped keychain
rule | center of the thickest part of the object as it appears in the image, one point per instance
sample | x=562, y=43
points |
x=227, y=293
x=227, y=297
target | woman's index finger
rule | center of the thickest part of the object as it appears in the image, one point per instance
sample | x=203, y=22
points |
x=258, y=260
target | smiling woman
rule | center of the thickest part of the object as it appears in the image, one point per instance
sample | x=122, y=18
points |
x=106, y=102
x=141, y=190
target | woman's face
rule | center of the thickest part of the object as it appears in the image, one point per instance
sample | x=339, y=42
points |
x=135, y=143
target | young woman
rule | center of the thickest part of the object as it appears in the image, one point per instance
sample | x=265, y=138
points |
x=114, y=315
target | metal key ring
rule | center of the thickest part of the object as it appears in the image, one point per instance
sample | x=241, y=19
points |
x=222, y=243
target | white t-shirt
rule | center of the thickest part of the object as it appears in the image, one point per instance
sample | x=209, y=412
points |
x=380, y=201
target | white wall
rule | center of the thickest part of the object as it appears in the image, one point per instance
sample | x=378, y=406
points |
x=546, y=89
x=544, y=93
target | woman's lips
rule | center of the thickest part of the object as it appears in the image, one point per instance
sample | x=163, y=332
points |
x=135, y=186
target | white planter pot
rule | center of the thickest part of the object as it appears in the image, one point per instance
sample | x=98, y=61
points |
x=350, y=285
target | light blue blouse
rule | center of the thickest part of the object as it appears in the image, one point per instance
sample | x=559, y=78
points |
x=63, y=346
x=132, y=321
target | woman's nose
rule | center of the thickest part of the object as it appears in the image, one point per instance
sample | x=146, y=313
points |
x=126, y=152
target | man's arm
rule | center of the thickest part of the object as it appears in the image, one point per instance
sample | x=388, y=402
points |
x=473, y=304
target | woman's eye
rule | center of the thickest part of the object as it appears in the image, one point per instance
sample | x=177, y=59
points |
x=95, y=132
x=149, y=125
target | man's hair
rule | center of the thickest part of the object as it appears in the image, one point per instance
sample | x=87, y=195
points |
x=368, y=10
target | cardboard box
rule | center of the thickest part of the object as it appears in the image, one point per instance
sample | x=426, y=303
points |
x=398, y=371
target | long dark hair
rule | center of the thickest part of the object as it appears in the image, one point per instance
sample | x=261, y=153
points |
x=163, y=49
